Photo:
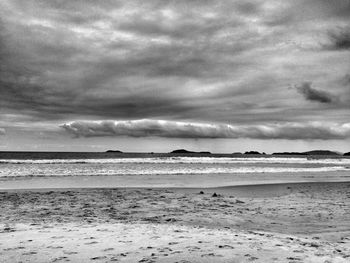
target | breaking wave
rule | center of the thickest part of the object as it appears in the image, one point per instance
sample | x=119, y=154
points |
x=184, y=160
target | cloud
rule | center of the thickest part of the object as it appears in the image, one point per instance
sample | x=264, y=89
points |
x=171, y=129
x=176, y=60
x=339, y=39
x=2, y=131
x=312, y=94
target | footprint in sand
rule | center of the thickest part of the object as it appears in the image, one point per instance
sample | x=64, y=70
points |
x=57, y=237
x=70, y=252
x=91, y=243
x=13, y=248
x=55, y=247
x=225, y=246
x=103, y=230
x=165, y=249
x=176, y=252
x=108, y=249
x=179, y=231
x=98, y=258
x=193, y=248
x=60, y=259
x=211, y=255
x=147, y=260
x=294, y=258
x=29, y=253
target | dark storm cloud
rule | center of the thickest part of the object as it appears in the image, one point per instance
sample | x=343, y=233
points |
x=174, y=60
x=2, y=131
x=313, y=94
x=52, y=66
x=171, y=129
x=59, y=105
x=339, y=39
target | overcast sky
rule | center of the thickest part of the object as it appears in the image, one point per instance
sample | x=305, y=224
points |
x=154, y=75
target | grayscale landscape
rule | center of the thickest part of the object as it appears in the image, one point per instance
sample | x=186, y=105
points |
x=174, y=131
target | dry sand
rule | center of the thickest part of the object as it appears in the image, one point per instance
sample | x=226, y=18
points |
x=264, y=223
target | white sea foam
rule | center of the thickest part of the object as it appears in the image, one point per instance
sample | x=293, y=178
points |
x=186, y=160
x=120, y=171
x=11, y=168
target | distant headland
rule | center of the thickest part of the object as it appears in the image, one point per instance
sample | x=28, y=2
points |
x=316, y=152
x=183, y=151
x=307, y=153
x=254, y=152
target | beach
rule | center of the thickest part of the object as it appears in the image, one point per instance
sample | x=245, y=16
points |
x=288, y=222
x=174, y=131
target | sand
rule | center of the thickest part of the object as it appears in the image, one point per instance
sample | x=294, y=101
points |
x=304, y=222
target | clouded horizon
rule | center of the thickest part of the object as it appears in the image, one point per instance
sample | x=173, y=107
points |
x=156, y=75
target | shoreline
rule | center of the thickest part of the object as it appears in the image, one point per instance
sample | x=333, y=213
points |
x=254, y=189
x=171, y=181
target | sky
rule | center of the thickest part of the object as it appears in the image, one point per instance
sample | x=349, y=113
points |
x=157, y=75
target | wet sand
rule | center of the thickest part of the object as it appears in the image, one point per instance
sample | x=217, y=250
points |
x=300, y=222
x=169, y=180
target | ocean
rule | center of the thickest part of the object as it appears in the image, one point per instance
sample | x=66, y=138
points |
x=70, y=170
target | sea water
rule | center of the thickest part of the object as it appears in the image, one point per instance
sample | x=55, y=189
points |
x=37, y=170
